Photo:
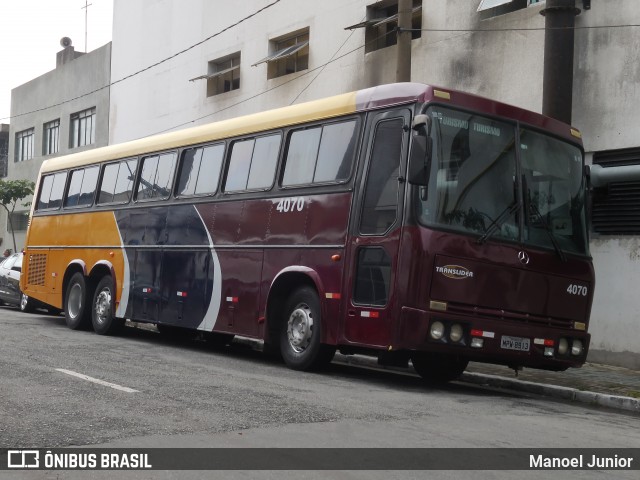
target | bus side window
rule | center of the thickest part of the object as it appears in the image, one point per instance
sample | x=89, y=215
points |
x=372, y=277
x=82, y=187
x=51, y=191
x=320, y=154
x=337, y=147
x=156, y=177
x=200, y=170
x=252, y=163
x=117, y=182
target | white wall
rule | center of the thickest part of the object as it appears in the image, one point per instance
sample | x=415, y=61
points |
x=506, y=65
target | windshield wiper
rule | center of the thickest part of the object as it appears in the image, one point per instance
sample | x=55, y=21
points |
x=554, y=241
x=497, y=223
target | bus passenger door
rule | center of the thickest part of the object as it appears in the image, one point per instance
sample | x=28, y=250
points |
x=376, y=230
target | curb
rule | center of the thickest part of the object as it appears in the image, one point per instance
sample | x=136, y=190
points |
x=555, y=391
x=617, y=402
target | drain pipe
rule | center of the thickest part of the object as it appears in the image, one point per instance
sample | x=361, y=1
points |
x=557, y=87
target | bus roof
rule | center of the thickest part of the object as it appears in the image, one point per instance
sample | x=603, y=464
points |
x=348, y=103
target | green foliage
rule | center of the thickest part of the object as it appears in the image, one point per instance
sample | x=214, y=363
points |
x=11, y=192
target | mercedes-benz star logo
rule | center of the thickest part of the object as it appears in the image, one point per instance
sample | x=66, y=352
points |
x=523, y=257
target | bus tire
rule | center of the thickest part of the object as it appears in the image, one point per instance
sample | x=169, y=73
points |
x=76, y=310
x=102, y=312
x=438, y=369
x=301, y=332
x=26, y=304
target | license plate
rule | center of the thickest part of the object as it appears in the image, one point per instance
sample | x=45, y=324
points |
x=515, y=343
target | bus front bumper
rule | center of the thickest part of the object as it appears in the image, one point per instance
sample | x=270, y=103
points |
x=499, y=341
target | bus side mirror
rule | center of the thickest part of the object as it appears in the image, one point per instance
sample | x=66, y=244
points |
x=420, y=155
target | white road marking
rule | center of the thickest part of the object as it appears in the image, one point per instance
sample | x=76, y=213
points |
x=96, y=380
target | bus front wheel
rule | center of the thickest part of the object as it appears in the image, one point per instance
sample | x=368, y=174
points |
x=301, y=332
x=75, y=303
x=102, y=314
x=438, y=369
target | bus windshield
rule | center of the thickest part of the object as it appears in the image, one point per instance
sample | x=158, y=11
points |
x=475, y=183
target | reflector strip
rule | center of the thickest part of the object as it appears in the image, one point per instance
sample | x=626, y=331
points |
x=182, y=294
x=334, y=296
x=482, y=333
x=442, y=94
x=146, y=290
x=370, y=314
x=232, y=299
x=548, y=343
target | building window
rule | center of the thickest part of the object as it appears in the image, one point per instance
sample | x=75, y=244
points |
x=19, y=222
x=50, y=137
x=382, y=23
x=290, y=55
x=83, y=128
x=4, y=149
x=615, y=208
x=24, y=145
x=493, y=8
x=223, y=76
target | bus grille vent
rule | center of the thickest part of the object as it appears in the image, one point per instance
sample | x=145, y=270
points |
x=37, y=268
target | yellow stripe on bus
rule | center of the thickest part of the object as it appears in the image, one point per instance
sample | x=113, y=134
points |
x=281, y=117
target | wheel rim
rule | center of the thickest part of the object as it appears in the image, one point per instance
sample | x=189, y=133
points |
x=24, y=299
x=300, y=328
x=74, y=304
x=103, y=306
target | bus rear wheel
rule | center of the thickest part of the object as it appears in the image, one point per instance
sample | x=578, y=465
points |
x=438, y=369
x=102, y=314
x=76, y=312
x=26, y=304
x=301, y=332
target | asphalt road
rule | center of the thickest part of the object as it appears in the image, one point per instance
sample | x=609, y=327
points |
x=158, y=392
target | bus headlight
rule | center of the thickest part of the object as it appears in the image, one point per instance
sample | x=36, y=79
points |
x=456, y=332
x=563, y=346
x=576, y=347
x=437, y=330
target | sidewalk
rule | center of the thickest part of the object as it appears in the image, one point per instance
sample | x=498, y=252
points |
x=596, y=384
x=593, y=384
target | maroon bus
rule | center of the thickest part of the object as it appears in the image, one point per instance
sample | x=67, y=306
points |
x=405, y=221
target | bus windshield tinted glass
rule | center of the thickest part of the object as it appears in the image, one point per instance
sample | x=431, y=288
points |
x=555, y=195
x=472, y=185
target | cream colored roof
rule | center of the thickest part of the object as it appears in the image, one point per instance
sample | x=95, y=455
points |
x=304, y=112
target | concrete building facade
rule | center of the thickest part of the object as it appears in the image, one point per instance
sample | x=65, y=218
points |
x=63, y=111
x=492, y=48
x=181, y=63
